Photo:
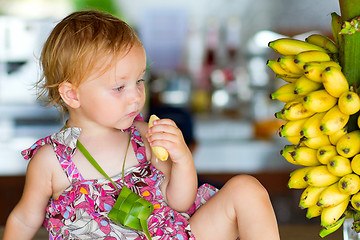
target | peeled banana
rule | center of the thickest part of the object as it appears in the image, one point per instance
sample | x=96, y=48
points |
x=159, y=152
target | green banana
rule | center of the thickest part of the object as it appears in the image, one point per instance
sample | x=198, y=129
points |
x=310, y=196
x=292, y=128
x=334, y=81
x=349, y=102
x=339, y=166
x=333, y=120
x=334, y=138
x=325, y=153
x=349, y=184
x=336, y=23
x=285, y=93
x=311, y=128
x=319, y=101
x=323, y=41
x=287, y=63
x=296, y=180
x=313, y=211
x=349, y=144
x=303, y=86
x=305, y=156
x=331, y=196
x=320, y=176
x=331, y=215
x=290, y=46
x=277, y=69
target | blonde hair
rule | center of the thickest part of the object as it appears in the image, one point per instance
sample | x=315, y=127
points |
x=75, y=45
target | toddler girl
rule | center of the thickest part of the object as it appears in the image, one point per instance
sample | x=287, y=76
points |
x=93, y=66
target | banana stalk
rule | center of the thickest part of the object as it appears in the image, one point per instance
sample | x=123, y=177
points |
x=349, y=45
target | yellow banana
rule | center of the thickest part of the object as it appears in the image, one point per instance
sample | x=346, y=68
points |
x=334, y=138
x=289, y=46
x=319, y=101
x=286, y=153
x=325, y=153
x=278, y=70
x=296, y=180
x=331, y=196
x=349, y=184
x=320, y=176
x=159, y=152
x=339, y=166
x=311, y=56
x=287, y=79
x=314, y=70
x=294, y=140
x=304, y=86
x=296, y=111
x=287, y=63
x=285, y=93
x=333, y=227
x=310, y=196
x=355, y=164
x=334, y=81
x=349, y=102
x=292, y=128
x=305, y=156
x=355, y=201
x=316, y=142
x=358, y=121
x=349, y=144
x=313, y=211
x=333, y=120
x=311, y=128
x=323, y=41
x=331, y=215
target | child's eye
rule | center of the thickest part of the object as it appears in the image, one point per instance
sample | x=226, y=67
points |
x=140, y=81
x=118, y=89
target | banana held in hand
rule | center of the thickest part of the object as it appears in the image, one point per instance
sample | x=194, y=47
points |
x=349, y=144
x=334, y=81
x=290, y=46
x=322, y=41
x=159, y=152
x=349, y=102
x=320, y=176
x=331, y=196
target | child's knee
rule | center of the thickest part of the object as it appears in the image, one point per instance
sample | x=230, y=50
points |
x=246, y=185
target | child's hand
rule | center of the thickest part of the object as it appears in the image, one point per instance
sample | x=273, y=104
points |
x=164, y=133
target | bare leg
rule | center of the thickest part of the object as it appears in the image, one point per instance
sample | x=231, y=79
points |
x=241, y=208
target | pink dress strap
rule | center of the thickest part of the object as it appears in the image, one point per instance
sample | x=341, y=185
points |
x=64, y=144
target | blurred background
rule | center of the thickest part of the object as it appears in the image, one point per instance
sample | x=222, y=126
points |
x=207, y=72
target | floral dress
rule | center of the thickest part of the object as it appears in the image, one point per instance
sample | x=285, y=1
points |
x=80, y=212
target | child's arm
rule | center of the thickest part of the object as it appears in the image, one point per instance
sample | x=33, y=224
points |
x=180, y=185
x=28, y=215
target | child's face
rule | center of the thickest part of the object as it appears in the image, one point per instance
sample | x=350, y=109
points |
x=114, y=98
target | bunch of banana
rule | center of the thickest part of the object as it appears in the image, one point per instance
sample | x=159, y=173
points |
x=318, y=103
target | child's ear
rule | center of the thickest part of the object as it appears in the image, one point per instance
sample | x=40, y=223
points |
x=68, y=94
